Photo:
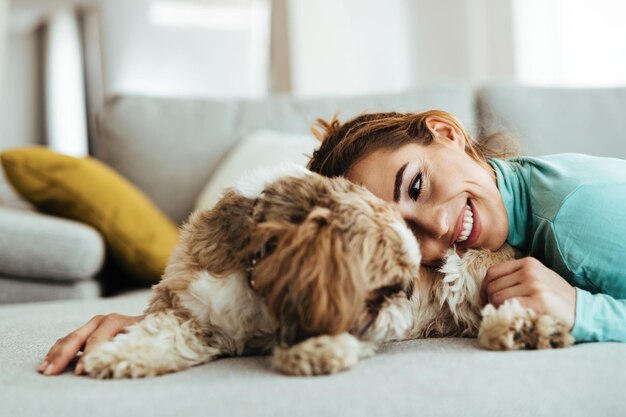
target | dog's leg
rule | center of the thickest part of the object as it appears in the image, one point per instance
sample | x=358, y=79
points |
x=513, y=327
x=321, y=355
x=161, y=343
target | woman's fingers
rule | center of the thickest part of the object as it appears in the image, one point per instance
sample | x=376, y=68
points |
x=500, y=284
x=100, y=328
x=66, y=348
x=516, y=291
x=498, y=272
x=112, y=325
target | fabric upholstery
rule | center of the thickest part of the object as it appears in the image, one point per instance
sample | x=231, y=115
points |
x=35, y=245
x=9, y=197
x=170, y=147
x=260, y=150
x=14, y=289
x=86, y=190
x=432, y=377
x=556, y=120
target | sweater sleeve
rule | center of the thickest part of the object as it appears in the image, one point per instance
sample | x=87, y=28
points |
x=590, y=230
x=599, y=318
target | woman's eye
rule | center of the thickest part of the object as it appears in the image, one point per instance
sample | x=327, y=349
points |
x=416, y=187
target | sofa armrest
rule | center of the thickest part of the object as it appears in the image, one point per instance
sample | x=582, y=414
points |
x=35, y=245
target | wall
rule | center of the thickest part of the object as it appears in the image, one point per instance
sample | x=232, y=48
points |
x=146, y=53
x=349, y=46
x=334, y=48
x=362, y=46
x=468, y=41
x=141, y=55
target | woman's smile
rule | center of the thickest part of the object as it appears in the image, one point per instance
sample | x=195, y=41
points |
x=468, y=226
x=444, y=195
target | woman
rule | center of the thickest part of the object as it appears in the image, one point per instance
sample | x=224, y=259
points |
x=563, y=211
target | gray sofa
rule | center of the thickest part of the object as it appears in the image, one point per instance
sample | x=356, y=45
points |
x=169, y=148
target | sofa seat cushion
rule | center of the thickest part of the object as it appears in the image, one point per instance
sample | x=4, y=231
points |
x=35, y=245
x=431, y=377
x=136, y=232
x=18, y=289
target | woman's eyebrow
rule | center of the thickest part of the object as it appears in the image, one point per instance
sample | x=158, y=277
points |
x=398, y=183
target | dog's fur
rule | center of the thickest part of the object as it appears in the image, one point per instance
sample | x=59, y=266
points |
x=318, y=272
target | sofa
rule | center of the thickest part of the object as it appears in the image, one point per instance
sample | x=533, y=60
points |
x=170, y=148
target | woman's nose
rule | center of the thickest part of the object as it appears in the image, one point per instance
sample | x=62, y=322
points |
x=432, y=222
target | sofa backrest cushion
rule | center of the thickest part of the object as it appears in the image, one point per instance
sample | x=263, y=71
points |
x=556, y=120
x=170, y=147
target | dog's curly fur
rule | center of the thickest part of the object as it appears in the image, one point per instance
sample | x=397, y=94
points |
x=316, y=271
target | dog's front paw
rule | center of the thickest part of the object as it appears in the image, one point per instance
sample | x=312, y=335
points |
x=513, y=327
x=321, y=355
x=510, y=327
x=109, y=360
x=552, y=334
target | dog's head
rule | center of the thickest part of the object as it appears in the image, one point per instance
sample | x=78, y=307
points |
x=325, y=254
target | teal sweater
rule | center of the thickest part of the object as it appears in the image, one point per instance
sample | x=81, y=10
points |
x=569, y=211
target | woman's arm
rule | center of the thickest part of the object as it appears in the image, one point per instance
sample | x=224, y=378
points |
x=99, y=329
x=590, y=317
x=599, y=318
x=534, y=285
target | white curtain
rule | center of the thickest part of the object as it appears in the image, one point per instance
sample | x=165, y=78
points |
x=573, y=43
x=64, y=80
x=4, y=12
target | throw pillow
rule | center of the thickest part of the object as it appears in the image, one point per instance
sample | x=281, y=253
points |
x=136, y=232
x=261, y=149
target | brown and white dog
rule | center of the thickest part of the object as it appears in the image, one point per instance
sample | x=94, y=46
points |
x=316, y=271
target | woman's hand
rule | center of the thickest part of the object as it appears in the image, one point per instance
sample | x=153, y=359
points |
x=534, y=285
x=99, y=329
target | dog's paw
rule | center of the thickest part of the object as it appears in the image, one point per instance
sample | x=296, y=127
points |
x=109, y=360
x=510, y=327
x=552, y=334
x=106, y=361
x=513, y=327
x=321, y=355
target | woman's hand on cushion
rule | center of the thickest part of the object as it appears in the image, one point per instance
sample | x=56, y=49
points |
x=534, y=285
x=99, y=329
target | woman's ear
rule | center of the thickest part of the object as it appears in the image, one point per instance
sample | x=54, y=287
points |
x=446, y=131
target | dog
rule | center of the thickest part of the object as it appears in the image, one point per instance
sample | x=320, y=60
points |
x=317, y=272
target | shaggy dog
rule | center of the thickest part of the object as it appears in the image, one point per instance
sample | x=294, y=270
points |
x=316, y=271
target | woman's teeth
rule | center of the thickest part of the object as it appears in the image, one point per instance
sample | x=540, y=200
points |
x=468, y=222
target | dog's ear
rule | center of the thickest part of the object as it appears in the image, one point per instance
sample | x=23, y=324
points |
x=311, y=279
x=216, y=238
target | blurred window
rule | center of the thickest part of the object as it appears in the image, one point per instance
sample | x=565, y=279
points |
x=570, y=42
x=201, y=48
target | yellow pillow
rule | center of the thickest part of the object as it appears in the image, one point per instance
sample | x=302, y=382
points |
x=136, y=232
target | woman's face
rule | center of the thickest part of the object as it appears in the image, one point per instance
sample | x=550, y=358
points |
x=446, y=197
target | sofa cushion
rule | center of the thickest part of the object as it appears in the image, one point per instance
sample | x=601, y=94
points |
x=260, y=150
x=429, y=377
x=170, y=147
x=35, y=245
x=9, y=197
x=138, y=235
x=556, y=120
x=15, y=289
